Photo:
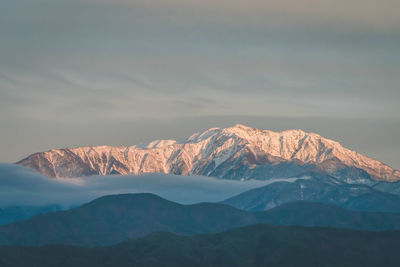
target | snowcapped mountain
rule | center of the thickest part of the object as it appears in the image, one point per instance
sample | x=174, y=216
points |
x=238, y=152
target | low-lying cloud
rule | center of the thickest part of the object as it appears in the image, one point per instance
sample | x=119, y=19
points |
x=21, y=186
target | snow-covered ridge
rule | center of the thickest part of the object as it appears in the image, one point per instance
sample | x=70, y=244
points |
x=238, y=152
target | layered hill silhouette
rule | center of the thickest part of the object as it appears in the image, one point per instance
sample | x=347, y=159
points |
x=257, y=245
x=238, y=153
x=112, y=219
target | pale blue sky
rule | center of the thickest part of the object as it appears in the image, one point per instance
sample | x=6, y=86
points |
x=94, y=72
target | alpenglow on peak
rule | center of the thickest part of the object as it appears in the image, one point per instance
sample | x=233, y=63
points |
x=237, y=152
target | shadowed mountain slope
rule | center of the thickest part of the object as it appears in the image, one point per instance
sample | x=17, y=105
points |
x=112, y=219
x=324, y=215
x=316, y=188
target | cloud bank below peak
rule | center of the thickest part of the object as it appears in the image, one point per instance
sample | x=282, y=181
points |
x=21, y=186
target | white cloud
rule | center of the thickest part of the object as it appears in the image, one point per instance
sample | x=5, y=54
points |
x=20, y=186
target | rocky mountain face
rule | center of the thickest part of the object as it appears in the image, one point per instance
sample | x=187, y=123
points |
x=237, y=152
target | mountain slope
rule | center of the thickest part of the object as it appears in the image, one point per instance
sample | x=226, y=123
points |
x=258, y=245
x=112, y=219
x=324, y=215
x=238, y=152
x=316, y=188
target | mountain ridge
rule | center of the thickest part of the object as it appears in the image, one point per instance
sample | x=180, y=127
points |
x=237, y=152
x=317, y=188
x=115, y=218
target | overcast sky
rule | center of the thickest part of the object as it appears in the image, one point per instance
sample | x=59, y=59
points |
x=120, y=72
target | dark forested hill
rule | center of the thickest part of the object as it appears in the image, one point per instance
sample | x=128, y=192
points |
x=112, y=219
x=257, y=245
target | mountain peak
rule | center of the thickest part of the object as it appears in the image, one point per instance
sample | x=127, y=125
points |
x=156, y=144
x=238, y=152
x=242, y=127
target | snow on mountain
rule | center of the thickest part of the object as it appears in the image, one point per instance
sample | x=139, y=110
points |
x=238, y=152
x=155, y=144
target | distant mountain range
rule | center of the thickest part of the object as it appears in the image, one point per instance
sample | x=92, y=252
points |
x=317, y=187
x=257, y=245
x=238, y=153
x=112, y=219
